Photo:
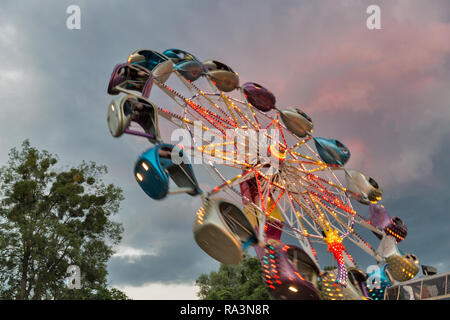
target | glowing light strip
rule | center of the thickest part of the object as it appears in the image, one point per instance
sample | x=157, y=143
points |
x=322, y=217
x=333, y=214
x=336, y=201
x=315, y=177
x=335, y=246
x=308, y=211
x=243, y=116
x=222, y=95
x=213, y=154
x=307, y=157
x=230, y=181
x=252, y=111
x=208, y=115
x=263, y=204
x=203, y=94
x=298, y=144
x=279, y=128
x=275, y=203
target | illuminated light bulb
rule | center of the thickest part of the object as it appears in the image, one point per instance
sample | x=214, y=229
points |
x=293, y=289
x=145, y=166
x=113, y=108
x=139, y=177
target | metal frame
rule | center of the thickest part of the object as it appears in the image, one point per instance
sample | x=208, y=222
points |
x=446, y=294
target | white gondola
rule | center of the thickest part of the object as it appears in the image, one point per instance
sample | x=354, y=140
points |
x=363, y=189
x=401, y=266
x=298, y=122
x=353, y=291
x=223, y=231
x=116, y=118
x=224, y=78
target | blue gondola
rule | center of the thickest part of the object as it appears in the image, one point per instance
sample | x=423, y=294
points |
x=155, y=167
x=146, y=58
x=160, y=65
x=332, y=152
x=377, y=282
x=178, y=55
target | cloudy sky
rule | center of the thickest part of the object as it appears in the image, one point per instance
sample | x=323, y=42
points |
x=384, y=93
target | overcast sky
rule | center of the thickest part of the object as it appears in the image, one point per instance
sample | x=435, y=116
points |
x=384, y=93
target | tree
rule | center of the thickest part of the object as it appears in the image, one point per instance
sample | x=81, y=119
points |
x=234, y=282
x=53, y=218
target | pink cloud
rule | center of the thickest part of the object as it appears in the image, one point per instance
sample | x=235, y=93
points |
x=405, y=60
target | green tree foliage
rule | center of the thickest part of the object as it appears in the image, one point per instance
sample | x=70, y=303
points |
x=242, y=281
x=53, y=218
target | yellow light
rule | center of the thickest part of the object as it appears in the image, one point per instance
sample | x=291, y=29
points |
x=112, y=108
x=145, y=166
x=140, y=177
x=277, y=152
x=293, y=289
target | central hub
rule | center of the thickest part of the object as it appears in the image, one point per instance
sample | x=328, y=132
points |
x=277, y=151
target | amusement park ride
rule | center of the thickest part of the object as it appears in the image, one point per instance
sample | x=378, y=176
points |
x=290, y=183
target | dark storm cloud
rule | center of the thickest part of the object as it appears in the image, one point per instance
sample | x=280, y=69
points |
x=384, y=93
x=178, y=260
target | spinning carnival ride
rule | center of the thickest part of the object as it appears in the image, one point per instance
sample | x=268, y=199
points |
x=273, y=177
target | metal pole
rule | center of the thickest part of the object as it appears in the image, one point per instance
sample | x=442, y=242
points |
x=446, y=284
x=421, y=285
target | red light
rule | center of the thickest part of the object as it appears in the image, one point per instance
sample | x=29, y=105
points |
x=298, y=275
